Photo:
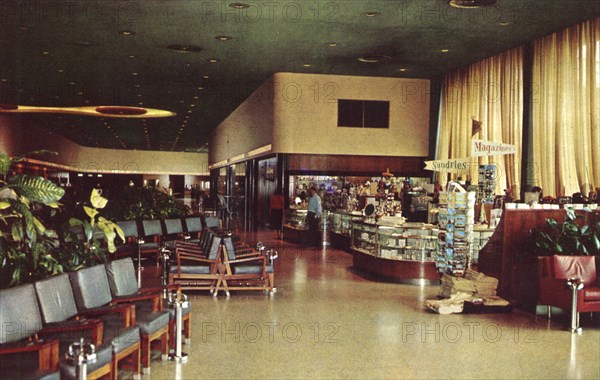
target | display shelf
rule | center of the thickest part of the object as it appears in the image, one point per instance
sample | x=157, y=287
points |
x=403, y=253
x=295, y=228
x=340, y=228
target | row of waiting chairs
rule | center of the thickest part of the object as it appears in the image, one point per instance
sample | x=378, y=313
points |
x=218, y=263
x=149, y=236
x=101, y=304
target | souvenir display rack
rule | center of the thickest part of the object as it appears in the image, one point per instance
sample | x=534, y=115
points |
x=456, y=218
x=486, y=183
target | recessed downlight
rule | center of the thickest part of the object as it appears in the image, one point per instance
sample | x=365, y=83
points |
x=403, y=69
x=504, y=23
x=224, y=38
x=213, y=60
x=83, y=43
x=184, y=48
x=372, y=14
x=205, y=76
x=444, y=50
x=126, y=32
x=332, y=44
x=306, y=65
x=374, y=58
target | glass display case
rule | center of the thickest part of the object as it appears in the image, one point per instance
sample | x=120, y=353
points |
x=340, y=222
x=409, y=241
x=295, y=227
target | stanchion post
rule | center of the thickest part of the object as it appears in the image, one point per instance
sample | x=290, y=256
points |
x=81, y=354
x=575, y=285
x=178, y=301
x=140, y=241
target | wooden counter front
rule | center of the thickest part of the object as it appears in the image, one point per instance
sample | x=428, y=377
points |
x=403, y=271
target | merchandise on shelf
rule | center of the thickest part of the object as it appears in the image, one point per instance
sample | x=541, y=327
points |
x=486, y=183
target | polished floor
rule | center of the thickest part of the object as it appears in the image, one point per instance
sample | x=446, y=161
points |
x=327, y=322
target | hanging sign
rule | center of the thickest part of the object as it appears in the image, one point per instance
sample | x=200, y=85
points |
x=480, y=148
x=456, y=165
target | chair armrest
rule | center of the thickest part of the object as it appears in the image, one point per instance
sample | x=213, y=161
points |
x=154, y=298
x=249, y=259
x=157, y=289
x=127, y=312
x=47, y=351
x=198, y=259
x=95, y=326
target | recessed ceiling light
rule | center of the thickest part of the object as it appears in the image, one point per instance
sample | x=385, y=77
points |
x=61, y=70
x=504, y=23
x=200, y=88
x=184, y=48
x=126, y=32
x=224, y=38
x=131, y=56
x=239, y=5
x=372, y=14
x=83, y=43
x=24, y=27
x=134, y=73
x=3, y=80
x=374, y=58
x=213, y=60
x=306, y=64
x=72, y=83
x=45, y=52
x=196, y=97
x=402, y=69
x=470, y=4
x=444, y=50
x=333, y=44
x=205, y=76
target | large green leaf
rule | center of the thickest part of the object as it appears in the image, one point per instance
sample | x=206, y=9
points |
x=97, y=200
x=37, y=189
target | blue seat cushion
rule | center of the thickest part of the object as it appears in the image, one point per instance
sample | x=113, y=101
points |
x=190, y=269
x=250, y=269
x=150, y=322
x=121, y=338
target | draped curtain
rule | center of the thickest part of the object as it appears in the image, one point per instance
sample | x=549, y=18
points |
x=490, y=91
x=566, y=110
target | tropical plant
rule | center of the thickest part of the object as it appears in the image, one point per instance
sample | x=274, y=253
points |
x=146, y=203
x=574, y=236
x=82, y=239
x=25, y=242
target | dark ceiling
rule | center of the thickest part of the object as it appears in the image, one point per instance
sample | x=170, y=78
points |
x=80, y=53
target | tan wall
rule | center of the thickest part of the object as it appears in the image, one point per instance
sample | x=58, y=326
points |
x=17, y=139
x=249, y=127
x=305, y=110
x=297, y=113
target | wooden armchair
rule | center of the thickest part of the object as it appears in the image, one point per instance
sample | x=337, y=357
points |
x=196, y=270
x=23, y=353
x=62, y=321
x=252, y=270
x=123, y=283
x=92, y=290
x=555, y=271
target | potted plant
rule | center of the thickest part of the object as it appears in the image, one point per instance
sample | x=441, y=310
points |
x=574, y=236
x=26, y=243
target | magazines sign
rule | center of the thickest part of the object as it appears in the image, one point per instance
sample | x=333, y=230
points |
x=481, y=148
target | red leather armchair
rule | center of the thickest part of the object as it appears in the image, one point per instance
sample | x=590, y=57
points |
x=555, y=271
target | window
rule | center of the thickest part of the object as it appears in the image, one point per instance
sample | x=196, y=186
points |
x=363, y=113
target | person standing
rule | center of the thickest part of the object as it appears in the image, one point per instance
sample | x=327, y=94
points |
x=314, y=214
x=276, y=206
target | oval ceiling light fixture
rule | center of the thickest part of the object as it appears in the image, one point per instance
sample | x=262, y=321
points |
x=239, y=5
x=333, y=44
x=372, y=14
x=83, y=43
x=470, y=4
x=374, y=58
x=97, y=111
x=184, y=48
x=126, y=32
x=224, y=38
x=213, y=60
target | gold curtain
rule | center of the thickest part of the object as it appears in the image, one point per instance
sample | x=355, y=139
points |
x=566, y=110
x=490, y=91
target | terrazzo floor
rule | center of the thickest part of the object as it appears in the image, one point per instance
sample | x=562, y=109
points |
x=327, y=322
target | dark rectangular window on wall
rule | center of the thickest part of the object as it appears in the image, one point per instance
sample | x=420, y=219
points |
x=363, y=113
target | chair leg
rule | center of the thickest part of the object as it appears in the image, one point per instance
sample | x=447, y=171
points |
x=164, y=346
x=187, y=324
x=145, y=348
